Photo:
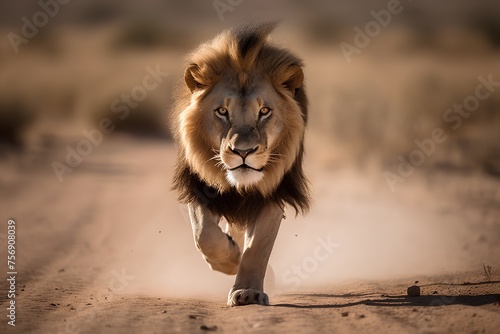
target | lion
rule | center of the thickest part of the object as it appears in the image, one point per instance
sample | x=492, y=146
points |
x=239, y=122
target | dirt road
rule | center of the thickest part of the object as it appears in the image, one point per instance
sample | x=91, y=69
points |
x=108, y=250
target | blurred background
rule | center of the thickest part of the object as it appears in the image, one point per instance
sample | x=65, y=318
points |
x=97, y=77
x=79, y=58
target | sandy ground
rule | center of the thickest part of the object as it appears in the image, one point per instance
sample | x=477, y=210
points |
x=108, y=250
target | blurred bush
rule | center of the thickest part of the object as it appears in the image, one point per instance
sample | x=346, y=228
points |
x=147, y=35
x=15, y=119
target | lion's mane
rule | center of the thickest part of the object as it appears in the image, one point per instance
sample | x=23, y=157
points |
x=243, y=49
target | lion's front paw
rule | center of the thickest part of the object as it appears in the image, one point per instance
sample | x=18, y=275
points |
x=247, y=296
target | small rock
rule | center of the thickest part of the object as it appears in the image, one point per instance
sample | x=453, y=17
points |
x=208, y=328
x=192, y=316
x=345, y=314
x=413, y=291
x=434, y=292
x=361, y=316
x=164, y=311
x=52, y=304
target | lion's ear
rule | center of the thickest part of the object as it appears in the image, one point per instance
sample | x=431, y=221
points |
x=292, y=78
x=193, y=78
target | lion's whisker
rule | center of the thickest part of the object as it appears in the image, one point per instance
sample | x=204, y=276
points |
x=216, y=157
x=221, y=164
x=276, y=155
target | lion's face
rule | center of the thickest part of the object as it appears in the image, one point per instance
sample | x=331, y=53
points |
x=246, y=138
x=245, y=128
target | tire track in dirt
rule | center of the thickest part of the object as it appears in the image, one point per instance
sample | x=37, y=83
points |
x=70, y=235
x=86, y=295
x=42, y=269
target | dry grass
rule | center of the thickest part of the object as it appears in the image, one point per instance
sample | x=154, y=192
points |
x=487, y=272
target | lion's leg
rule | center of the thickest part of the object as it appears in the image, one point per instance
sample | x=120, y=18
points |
x=219, y=250
x=237, y=233
x=259, y=241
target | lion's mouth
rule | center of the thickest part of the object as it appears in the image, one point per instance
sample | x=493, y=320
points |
x=245, y=166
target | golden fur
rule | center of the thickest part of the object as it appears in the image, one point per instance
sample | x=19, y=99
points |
x=241, y=71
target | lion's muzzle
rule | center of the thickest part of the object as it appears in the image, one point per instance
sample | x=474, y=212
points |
x=242, y=156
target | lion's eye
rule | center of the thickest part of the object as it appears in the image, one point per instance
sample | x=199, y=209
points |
x=221, y=112
x=265, y=112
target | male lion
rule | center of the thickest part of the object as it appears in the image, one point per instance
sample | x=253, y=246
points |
x=239, y=122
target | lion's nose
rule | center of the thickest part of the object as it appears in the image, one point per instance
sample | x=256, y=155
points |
x=243, y=153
